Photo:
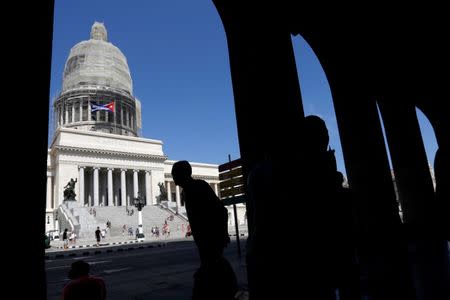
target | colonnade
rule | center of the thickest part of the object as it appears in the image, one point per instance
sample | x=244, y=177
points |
x=79, y=110
x=99, y=186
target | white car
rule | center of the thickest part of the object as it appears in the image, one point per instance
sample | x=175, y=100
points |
x=53, y=234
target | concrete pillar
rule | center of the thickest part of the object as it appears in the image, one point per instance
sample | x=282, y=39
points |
x=177, y=197
x=96, y=186
x=49, y=191
x=169, y=192
x=110, y=187
x=415, y=188
x=370, y=179
x=123, y=187
x=81, y=185
x=135, y=184
x=409, y=160
x=148, y=188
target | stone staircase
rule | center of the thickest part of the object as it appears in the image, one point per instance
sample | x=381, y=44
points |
x=152, y=215
x=86, y=222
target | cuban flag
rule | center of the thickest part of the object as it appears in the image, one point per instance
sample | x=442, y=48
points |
x=109, y=106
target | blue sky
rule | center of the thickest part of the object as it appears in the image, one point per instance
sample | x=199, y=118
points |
x=178, y=58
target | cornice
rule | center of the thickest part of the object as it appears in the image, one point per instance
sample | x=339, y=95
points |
x=204, y=177
x=110, y=152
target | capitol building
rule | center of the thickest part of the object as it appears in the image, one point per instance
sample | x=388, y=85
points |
x=97, y=141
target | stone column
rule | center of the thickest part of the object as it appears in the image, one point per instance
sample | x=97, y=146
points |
x=169, y=192
x=177, y=197
x=135, y=184
x=121, y=115
x=216, y=189
x=110, y=188
x=81, y=110
x=89, y=110
x=73, y=113
x=61, y=118
x=96, y=203
x=49, y=192
x=123, y=187
x=148, y=188
x=66, y=113
x=81, y=184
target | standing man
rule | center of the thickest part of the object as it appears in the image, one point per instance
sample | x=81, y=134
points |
x=65, y=239
x=215, y=279
x=98, y=236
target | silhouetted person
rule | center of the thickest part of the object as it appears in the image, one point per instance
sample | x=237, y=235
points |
x=98, y=236
x=65, y=239
x=208, y=218
x=316, y=205
x=82, y=285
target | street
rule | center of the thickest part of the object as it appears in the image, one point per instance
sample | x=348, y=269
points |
x=148, y=273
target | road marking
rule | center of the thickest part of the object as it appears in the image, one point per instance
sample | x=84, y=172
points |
x=98, y=262
x=115, y=270
x=59, y=267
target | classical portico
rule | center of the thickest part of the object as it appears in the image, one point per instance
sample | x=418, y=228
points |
x=103, y=185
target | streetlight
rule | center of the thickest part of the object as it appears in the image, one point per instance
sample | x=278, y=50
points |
x=139, y=203
x=56, y=221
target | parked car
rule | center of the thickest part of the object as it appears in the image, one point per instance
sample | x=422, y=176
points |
x=47, y=242
x=53, y=235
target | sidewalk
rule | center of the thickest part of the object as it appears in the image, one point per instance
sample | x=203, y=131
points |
x=57, y=245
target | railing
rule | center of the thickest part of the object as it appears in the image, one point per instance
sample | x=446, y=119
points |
x=172, y=211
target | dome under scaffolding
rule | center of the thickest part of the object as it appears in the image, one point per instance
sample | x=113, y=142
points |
x=97, y=90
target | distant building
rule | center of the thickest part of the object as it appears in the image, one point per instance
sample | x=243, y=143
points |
x=97, y=139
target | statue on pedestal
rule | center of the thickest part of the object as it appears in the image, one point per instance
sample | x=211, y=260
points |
x=69, y=190
x=163, y=192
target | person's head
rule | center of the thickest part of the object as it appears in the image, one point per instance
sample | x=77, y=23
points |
x=78, y=269
x=339, y=179
x=316, y=133
x=98, y=227
x=181, y=172
x=65, y=230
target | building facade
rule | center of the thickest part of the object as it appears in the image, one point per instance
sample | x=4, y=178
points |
x=97, y=140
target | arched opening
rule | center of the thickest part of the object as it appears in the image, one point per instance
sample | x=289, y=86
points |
x=180, y=107
x=429, y=140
